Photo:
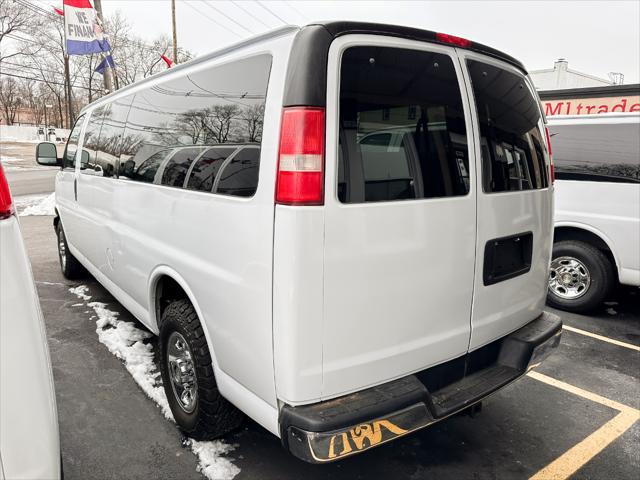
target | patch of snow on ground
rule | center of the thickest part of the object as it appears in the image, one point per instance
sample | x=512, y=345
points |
x=611, y=311
x=81, y=292
x=212, y=464
x=127, y=342
x=41, y=206
x=5, y=159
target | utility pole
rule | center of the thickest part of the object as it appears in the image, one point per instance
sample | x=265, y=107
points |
x=175, y=34
x=108, y=73
x=67, y=81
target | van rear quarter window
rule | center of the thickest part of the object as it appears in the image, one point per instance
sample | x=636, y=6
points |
x=511, y=142
x=220, y=105
x=596, y=152
x=402, y=129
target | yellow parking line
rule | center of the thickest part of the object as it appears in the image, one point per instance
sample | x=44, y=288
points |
x=579, y=391
x=573, y=459
x=600, y=337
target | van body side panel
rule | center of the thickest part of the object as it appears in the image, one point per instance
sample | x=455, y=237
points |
x=297, y=302
x=502, y=306
x=613, y=210
x=221, y=245
x=398, y=279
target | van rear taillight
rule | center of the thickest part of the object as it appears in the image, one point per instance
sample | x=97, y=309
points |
x=6, y=203
x=552, y=173
x=453, y=40
x=300, y=179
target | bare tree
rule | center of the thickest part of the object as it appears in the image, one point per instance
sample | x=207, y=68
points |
x=16, y=19
x=252, y=117
x=10, y=99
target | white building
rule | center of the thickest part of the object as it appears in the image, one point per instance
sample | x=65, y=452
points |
x=561, y=77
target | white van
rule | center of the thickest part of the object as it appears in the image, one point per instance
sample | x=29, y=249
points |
x=597, y=212
x=340, y=288
x=29, y=439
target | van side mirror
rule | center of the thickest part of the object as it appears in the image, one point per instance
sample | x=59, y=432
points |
x=46, y=154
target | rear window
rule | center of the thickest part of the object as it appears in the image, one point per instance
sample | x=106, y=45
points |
x=511, y=142
x=402, y=129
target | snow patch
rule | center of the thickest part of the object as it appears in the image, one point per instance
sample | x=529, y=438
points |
x=611, y=311
x=81, y=292
x=40, y=206
x=212, y=465
x=127, y=342
x=5, y=159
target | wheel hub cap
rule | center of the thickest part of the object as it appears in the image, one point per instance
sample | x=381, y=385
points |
x=182, y=372
x=569, y=278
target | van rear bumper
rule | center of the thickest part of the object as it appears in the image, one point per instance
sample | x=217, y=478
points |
x=334, y=429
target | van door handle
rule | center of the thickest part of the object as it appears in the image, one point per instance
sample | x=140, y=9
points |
x=75, y=189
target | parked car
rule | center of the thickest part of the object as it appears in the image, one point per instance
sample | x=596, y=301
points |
x=597, y=210
x=29, y=442
x=320, y=280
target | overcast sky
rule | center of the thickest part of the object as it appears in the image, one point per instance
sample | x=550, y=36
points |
x=595, y=37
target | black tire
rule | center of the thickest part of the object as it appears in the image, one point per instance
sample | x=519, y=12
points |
x=213, y=416
x=601, y=272
x=71, y=268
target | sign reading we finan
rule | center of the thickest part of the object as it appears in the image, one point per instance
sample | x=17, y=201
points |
x=592, y=106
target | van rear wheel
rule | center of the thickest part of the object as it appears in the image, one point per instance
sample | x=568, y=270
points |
x=70, y=266
x=580, y=276
x=188, y=377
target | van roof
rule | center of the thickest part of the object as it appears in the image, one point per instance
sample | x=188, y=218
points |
x=312, y=42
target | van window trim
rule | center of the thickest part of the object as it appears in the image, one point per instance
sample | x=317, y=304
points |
x=81, y=118
x=332, y=111
x=468, y=54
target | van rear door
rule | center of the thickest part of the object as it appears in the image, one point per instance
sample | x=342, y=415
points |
x=515, y=202
x=400, y=211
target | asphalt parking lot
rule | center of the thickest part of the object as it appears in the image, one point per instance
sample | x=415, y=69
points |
x=575, y=418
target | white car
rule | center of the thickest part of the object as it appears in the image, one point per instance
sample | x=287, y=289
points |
x=340, y=292
x=597, y=210
x=29, y=442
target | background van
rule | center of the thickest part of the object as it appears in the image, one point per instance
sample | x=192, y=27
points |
x=597, y=212
x=342, y=230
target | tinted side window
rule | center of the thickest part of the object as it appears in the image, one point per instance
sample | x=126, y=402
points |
x=402, y=129
x=176, y=168
x=239, y=177
x=206, y=168
x=108, y=147
x=219, y=105
x=596, y=152
x=72, y=144
x=91, y=141
x=510, y=138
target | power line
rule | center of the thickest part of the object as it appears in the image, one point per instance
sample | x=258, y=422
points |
x=271, y=12
x=212, y=19
x=250, y=14
x=41, y=70
x=228, y=17
x=38, y=80
x=37, y=9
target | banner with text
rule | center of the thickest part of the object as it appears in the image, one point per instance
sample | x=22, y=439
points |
x=591, y=106
x=82, y=30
